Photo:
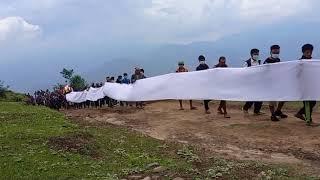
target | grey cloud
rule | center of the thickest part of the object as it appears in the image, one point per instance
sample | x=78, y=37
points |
x=156, y=21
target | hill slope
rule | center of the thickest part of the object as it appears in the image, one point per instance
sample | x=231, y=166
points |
x=38, y=143
x=10, y=96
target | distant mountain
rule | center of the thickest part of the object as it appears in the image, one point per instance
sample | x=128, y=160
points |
x=111, y=68
x=163, y=59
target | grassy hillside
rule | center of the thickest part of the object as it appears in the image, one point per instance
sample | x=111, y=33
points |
x=12, y=97
x=39, y=143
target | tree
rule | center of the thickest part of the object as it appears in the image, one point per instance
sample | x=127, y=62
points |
x=67, y=74
x=58, y=87
x=78, y=83
x=3, y=89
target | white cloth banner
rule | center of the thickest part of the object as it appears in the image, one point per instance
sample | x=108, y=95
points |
x=285, y=81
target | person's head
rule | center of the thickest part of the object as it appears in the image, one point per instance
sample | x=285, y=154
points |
x=142, y=71
x=254, y=54
x=125, y=75
x=181, y=64
x=202, y=59
x=222, y=60
x=112, y=78
x=119, y=77
x=275, y=51
x=307, y=50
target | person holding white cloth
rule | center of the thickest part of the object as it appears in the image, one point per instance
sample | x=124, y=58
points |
x=273, y=105
x=253, y=61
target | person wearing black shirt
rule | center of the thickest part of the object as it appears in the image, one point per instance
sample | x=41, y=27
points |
x=202, y=63
x=203, y=66
x=253, y=61
x=119, y=80
x=222, y=109
x=307, y=50
x=274, y=58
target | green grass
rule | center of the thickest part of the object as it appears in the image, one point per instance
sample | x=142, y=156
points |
x=12, y=97
x=25, y=150
x=39, y=143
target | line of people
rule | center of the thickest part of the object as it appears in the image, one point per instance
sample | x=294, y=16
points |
x=106, y=101
x=57, y=100
x=254, y=60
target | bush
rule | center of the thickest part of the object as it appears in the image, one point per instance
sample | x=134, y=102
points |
x=3, y=89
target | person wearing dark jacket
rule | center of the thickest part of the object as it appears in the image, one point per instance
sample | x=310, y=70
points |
x=222, y=109
x=182, y=69
x=119, y=80
x=274, y=58
x=305, y=113
x=142, y=74
x=112, y=80
x=125, y=79
x=253, y=61
x=203, y=66
x=138, y=74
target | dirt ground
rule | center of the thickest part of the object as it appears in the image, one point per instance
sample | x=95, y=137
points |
x=244, y=137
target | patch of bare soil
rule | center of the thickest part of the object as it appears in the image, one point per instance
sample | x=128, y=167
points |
x=243, y=137
x=81, y=143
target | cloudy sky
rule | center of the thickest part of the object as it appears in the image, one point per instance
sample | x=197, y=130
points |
x=155, y=21
x=32, y=27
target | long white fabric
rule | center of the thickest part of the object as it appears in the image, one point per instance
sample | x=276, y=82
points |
x=287, y=81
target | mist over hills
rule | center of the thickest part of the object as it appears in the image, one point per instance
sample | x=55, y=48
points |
x=41, y=70
x=163, y=59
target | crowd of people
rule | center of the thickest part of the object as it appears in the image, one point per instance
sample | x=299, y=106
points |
x=57, y=99
x=121, y=79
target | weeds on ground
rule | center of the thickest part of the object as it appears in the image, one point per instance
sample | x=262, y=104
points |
x=188, y=154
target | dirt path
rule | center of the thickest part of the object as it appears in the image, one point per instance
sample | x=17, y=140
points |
x=244, y=137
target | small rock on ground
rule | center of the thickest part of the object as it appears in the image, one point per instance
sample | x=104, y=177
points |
x=178, y=178
x=134, y=177
x=147, y=178
x=159, y=169
x=152, y=165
